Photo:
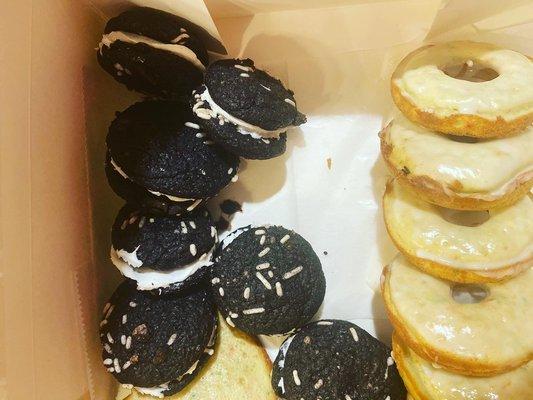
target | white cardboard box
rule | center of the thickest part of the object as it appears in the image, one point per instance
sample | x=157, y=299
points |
x=56, y=208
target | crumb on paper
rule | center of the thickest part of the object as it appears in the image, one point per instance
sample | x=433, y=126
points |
x=325, y=253
x=230, y=207
x=222, y=224
x=328, y=162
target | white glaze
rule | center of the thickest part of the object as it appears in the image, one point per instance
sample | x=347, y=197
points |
x=508, y=96
x=492, y=331
x=420, y=229
x=149, y=279
x=130, y=258
x=243, y=127
x=177, y=49
x=482, y=170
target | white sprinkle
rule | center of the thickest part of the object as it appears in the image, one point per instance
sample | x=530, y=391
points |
x=103, y=323
x=214, y=281
x=124, y=319
x=279, y=289
x=284, y=239
x=271, y=274
x=262, y=266
x=126, y=365
x=263, y=280
x=245, y=75
x=233, y=315
x=354, y=334
x=296, y=378
x=192, y=224
x=292, y=273
x=230, y=171
x=183, y=227
x=235, y=178
x=109, y=312
x=213, y=231
x=202, y=172
x=152, y=220
x=387, y=398
x=262, y=240
x=132, y=304
x=108, y=361
x=108, y=348
x=260, y=232
x=128, y=342
x=266, y=141
x=244, y=67
x=192, y=249
x=292, y=103
x=111, y=369
x=267, y=88
x=258, y=310
x=192, y=125
x=200, y=135
x=106, y=308
x=209, y=351
x=115, y=364
x=246, y=293
x=230, y=322
x=347, y=397
x=390, y=361
x=221, y=291
x=123, y=340
x=319, y=384
x=141, y=222
x=324, y=323
x=264, y=251
x=172, y=339
x=110, y=338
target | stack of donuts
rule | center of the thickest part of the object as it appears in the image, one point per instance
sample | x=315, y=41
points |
x=460, y=210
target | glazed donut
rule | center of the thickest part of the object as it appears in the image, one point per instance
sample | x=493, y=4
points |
x=427, y=95
x=491, y=245
x=427, y=381
x=481, y=338
x=459, y=175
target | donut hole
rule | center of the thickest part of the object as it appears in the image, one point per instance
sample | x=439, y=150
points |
x=471, y=71
x=464, y=139
x=464, y=217
x=469, y=293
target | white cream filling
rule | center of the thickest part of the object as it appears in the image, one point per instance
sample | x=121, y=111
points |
x=130, y=258
x=153, y=391
x=243, y=127
x=132, y=38
x=149, y=279
x=168, y=196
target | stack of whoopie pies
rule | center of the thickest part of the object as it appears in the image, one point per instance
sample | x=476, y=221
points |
x=166, y=157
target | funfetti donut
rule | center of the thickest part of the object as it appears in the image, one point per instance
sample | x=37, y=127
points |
x=458, y=174
x=267, y=280
x=461, y=246
x=492, y=95
x=246, y=110
x=157, y=344
x=334, y=359
x=478, y=330
x=153, y=52
x=163, y=252
x=159, y=146
x=429, y=381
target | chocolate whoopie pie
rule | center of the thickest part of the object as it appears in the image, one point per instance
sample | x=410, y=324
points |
x=157, y=343
x=163, y=251
x=267, y=280
x=246, y=110
x=332, y=360
x=153, y=52
x=158, y=146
